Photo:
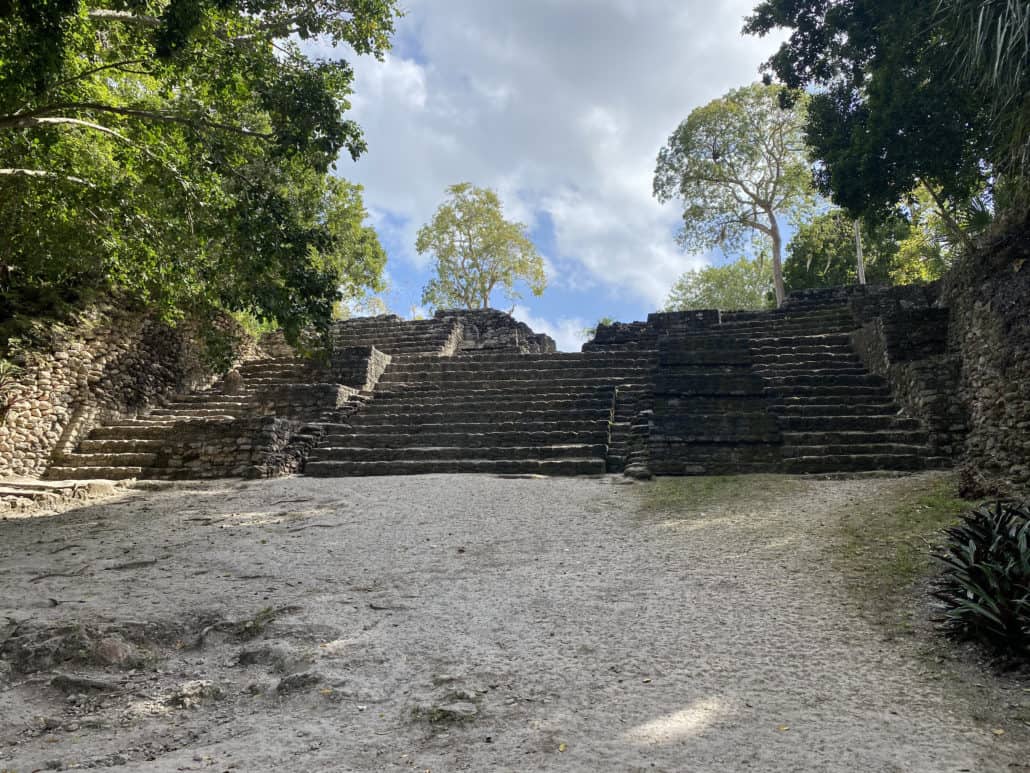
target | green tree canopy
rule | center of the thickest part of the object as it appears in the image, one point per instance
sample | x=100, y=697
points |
x=739, y=166
x=477, y=251
x=743, y=285
x=991, y=44
x=887, y=114
x=823, y=253
x=179, y=151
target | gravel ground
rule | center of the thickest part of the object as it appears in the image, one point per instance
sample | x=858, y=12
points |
x=451, y=622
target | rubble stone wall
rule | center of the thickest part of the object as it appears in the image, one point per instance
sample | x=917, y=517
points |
x=990, y=331
x=230, y=448
x=487, y=329
x=109, y=363
x=909, y=349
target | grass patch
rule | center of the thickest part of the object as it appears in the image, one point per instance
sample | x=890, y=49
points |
x=884, y=546
x=691, y=495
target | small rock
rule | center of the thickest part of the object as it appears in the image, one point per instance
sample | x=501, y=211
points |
x=232, y=384
x=638, y=472
x=295, y=682
x=193, y=694
x=113, y=651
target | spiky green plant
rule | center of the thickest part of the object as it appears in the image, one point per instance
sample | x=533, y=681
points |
x=986, y=584
x=991, y=41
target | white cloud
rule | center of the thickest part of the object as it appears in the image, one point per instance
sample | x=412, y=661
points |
x=561, y=106
x=568, y=333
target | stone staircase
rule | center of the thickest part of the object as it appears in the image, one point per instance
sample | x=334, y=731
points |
x=395, y=336
x=501, y=412
x=132, y=447
x=833, y=414
x=683, y=393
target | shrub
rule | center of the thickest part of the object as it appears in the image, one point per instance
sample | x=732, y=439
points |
x=986, y=585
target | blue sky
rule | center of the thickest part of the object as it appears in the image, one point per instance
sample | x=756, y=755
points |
x=561, y=107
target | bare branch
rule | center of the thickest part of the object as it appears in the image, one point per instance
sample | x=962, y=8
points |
x=18, y=121
x=125, y=17
x=44, y=174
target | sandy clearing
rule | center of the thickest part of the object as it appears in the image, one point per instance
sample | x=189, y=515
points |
x=544, y=624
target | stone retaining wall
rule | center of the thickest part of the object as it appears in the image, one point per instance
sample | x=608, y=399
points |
x=990, y=331
x=109, y=363
x=909, y=349
x=358, y=366
x=230, y=448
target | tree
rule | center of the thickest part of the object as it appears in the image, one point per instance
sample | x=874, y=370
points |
x=822, y=252
x=476, y=251
x=991, y=42
x=178, y=152
x=743, y=285
x=901, y=250
x=887, y=114
x=739, y=166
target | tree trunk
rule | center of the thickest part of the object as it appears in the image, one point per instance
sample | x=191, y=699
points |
x=777, y=262
x=858, y=252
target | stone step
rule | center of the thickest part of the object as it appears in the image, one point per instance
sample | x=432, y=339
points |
x=855, y=437
x=521, y=393
x=261, y=382
x=61, y=472
x=816, y=391
x=812, y=351
x=594, y=466
x=449, y=367
x=421, y=404
x=117, y=459
x=506, y=376
x=788, y=383
x=198, y=410
x=861, y=462
x=517, y=391
x=811, y=368
x=555, y=357
x=793, y=312
x=120, y=446
x=474, y=427
x=483, y=438
x=846, y=423
x=213, y=402
x=844, y=359
x=701, y=467
x=846, y=405
x=417, y=453
x=461, y=416
x=760, y=342
x=132, y=432
x=852, y=449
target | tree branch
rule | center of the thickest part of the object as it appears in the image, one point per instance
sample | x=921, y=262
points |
x=126, y=17
x=43, y=173
x=15, y=121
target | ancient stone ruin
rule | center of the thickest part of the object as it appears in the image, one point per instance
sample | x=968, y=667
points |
x=844, y=380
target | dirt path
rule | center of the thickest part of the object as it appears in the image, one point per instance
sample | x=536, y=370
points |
x=461, y=623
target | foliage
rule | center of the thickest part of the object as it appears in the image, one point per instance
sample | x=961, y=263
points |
x=991, y=42
x=887, y=115
x=822, y=252
x=590, y=332
x=896, y=251
x=476, y=251
x=744, y=285
x=738, y=164
x=986, y=585
x=178, y=151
